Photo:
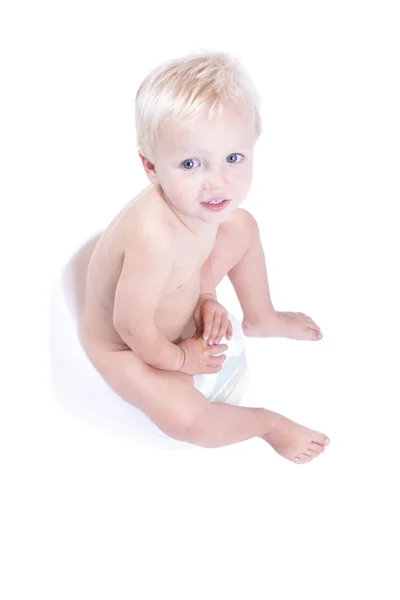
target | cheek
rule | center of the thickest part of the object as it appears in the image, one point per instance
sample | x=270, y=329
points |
x=248, y=173
x=181, y=185
x=243, y=181
x=242, y=177
x=186, y=181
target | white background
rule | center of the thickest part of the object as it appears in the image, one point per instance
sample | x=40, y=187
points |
x=85, y=514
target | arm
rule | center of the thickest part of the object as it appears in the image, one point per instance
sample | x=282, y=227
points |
x=145, y=271
x=210, y=317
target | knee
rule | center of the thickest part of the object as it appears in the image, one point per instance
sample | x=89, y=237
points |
x=241, y=225
x=195, y=426
x=183, y=416
x=188, y=426
x=247, y=222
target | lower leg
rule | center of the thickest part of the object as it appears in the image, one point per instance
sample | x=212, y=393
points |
x=171, y=401
x=250, y=281
x=238, y=253
x=224, y=424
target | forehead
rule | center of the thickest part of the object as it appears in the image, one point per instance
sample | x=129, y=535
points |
x=231, y=128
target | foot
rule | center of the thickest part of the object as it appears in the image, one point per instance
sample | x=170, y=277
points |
x=295, y=442
x=293, y=325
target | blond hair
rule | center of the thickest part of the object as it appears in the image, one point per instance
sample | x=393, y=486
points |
x=199, y=84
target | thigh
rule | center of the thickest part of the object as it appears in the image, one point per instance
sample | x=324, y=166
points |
x=232, y=242
x=168, y=398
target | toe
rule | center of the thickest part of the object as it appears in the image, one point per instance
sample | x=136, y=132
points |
x=316, y=334
x=305, y=458
x=321, y=439
x=309, y=319
x=316, y=448
x=313, y=334
x=310, y=323
x=298, y=460
x=311, y=453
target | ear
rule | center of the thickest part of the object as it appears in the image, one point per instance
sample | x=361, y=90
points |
x=149, y=169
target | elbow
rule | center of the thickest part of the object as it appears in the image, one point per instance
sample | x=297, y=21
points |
x=122, y=326
x=144, y=343
x=128, y=334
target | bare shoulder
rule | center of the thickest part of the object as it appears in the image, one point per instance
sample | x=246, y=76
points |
x=146, y=226
x=240, y=221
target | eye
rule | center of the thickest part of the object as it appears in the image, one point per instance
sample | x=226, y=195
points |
x=188, y=162
x=237, y=155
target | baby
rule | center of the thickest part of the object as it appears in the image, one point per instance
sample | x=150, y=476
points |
x=156, y=267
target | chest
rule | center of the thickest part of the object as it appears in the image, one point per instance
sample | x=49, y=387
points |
x=188, y=262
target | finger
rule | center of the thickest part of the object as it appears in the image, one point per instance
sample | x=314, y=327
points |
x=217, y=349
x=217, y=360
x=215, y=328
x=216, y=369
x=229, y=332
x=220, y=357
x=207, y=324
x=222, y=328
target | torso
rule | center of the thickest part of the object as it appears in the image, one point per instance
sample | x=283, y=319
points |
x=180, y=297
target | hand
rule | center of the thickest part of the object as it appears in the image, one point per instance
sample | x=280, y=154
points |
x=198, y=356
x=211, y=319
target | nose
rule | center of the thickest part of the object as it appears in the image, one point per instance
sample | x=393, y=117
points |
x=216, y=179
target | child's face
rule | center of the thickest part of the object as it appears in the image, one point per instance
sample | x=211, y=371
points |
x=197, y=161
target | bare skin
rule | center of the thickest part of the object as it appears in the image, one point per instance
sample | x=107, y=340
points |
x=139, y=282
x=180, y=296
x=121, y=367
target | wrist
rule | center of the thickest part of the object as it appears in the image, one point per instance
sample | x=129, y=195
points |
x=181, y=358
x=212, y=295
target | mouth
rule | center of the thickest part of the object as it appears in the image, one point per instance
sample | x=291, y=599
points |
x=216, y=204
